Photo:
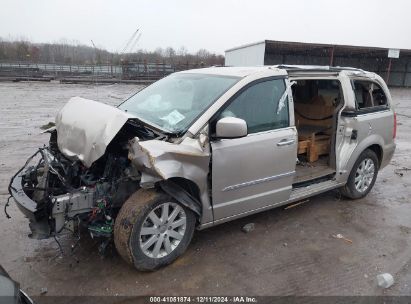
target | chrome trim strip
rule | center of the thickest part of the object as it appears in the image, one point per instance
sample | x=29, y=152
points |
x=258, y=181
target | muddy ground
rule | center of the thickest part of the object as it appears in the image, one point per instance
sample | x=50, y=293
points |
x=290, y=252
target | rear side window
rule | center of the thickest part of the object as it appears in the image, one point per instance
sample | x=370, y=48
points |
x=261, y=106
x=369, y=95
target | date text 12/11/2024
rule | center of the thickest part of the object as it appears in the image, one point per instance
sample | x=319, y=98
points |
x=203, y=299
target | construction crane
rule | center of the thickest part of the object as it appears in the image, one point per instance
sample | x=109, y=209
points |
x=128, y=48
x=131, y=42
x=135, y=43
x=96, y=51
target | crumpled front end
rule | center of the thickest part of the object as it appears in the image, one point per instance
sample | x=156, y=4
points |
x=58, y=195
x=97, y=157
x=83, y=176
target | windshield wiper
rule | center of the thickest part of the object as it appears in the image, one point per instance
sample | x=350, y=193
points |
x=149, y=131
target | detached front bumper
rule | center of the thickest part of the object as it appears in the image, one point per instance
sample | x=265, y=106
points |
x=36, y=213
x=23, y=202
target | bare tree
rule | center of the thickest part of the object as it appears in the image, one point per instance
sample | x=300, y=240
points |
x=170, y=54
x=22, y=50
x=72, y=52
x=182, y=51
x=159, y=51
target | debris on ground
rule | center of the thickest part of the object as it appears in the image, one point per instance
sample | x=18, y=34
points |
x=400, y=171
x=48, y=125
x=340, y=236
x=115, y=97
x=385, y=280
x=43, y=290
x=248, y=227
x=296, y=204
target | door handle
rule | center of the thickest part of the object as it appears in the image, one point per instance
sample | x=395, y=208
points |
x=286, y=142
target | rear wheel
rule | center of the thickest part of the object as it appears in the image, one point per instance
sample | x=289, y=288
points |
x=152, y=229
x=362, y=177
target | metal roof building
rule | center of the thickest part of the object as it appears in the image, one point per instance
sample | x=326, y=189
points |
x=396, y=69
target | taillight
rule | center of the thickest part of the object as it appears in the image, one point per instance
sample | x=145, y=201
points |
x=394, y=130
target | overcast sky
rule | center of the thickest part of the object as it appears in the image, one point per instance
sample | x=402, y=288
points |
x=216, y=25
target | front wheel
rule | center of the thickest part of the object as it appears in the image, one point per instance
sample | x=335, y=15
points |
x=152, y=229
x=362, y=177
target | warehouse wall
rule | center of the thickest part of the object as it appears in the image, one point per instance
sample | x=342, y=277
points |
x=252, y=55
x=400, y=74
x=369, y=59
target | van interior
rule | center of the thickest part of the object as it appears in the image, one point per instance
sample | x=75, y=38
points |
x=316, y=105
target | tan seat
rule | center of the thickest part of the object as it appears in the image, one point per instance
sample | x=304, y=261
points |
x=314, y=122
x=319, y=108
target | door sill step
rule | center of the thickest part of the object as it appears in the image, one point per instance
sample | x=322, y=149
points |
x=313, y=181
x=317, y=188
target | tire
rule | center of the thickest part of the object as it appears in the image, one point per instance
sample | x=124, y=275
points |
x=353, y=189
x=148, y=245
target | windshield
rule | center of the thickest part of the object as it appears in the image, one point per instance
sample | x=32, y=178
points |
x=174, y=102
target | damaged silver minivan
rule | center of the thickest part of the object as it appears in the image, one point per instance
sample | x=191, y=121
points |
x=203, y=147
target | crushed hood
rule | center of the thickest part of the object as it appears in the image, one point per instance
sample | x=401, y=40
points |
x=86, y=127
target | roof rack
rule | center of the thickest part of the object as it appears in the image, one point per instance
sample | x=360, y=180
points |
x=317, y=68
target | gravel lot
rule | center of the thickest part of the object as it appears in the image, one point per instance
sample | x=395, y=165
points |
x=290, y=252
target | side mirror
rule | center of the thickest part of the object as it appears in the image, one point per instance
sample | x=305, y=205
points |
x=231, y=127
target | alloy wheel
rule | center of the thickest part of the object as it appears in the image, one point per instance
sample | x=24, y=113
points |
x=162, y=230
x=364, y=175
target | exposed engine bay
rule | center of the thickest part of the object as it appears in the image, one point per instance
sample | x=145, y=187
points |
x=66, y=192
x=94, y=163
x=69, y=194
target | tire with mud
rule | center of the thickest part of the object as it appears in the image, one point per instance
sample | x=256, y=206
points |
x=362, y=177
x=152, y=229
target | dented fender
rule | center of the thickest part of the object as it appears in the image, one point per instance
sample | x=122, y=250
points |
x=160, y=160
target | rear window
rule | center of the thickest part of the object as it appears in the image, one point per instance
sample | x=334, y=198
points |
x=369, y=95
